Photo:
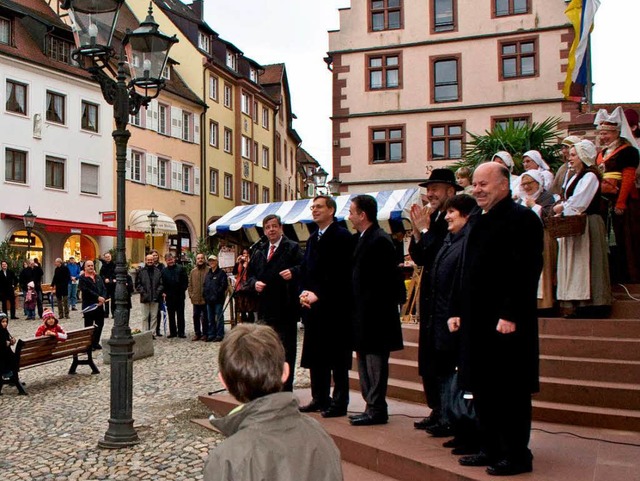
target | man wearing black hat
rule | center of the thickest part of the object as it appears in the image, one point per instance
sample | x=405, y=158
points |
x=429, y=231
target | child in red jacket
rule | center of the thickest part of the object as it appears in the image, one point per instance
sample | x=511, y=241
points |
x=50, y=326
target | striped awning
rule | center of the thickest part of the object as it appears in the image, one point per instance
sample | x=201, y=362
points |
x=392, y=205
x=139, y=221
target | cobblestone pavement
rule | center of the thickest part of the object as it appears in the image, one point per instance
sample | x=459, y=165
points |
x=52, y=433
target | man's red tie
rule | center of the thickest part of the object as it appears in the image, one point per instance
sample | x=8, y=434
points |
x=272, y=249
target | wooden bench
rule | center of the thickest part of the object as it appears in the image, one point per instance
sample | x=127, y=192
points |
x=42, y=350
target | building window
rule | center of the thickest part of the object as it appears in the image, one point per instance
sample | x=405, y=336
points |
x=285, y=155
x=164, y=166
x=387, y=144
x=246, y=147
x=446, y=87
x=166, y=72
x=245, y=104
x=277, y=194
x=232, y=60
x=58, y=49
x=203, y=42
x=278, y=147
x=384, y=71
x=518, y=59
x=510, y=7
x=89, y=178
x=385, y=15
x=254, y=112
x=55, y=107
x=16, y=97
x=187, y=126
x=228, y=186
x=254, y=154
x=265, y=195
x=187, y=175
x=253, y=75
x=136, y=119
x=89, y=119
x=516, y=121
x=228, y=140
x=5, y=31
x=15, y=167
x=265, y=157
x=445, y=141
x=54, y=172
x=214, y=177
x=213, y=134
x=213, y=88
x=228, y=96
x=246, y=191
x=265, y=118
x=137, y=167
x=443, y=15
x=163, y=118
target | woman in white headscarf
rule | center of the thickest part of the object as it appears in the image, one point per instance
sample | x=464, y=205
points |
x=504, y=158
x=583, y=265
x=618, y=162
x=534, y=196
x=532, y=160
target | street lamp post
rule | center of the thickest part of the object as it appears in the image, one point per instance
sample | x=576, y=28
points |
x=153, y=222
x=334, y=186
x=147, y=50
x=320, y=180
x=29, y=219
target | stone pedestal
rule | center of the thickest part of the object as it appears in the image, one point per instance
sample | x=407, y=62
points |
x=142, y=347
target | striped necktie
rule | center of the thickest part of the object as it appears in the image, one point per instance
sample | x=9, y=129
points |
x=272, y=249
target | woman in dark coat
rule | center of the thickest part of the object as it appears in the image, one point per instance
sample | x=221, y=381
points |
x=93, y=292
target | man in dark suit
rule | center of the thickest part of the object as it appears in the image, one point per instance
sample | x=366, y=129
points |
x=377, y=289
x=429, y=231
x=272, y=274
x=326, y=300
x=108, y=275
x=499, y=324
x=8, y=283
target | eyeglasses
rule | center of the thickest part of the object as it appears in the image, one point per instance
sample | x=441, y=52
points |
x=524, y=184
x=317, y=207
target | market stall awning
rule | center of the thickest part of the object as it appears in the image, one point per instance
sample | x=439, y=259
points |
x=392, y=205
x=139, y=221
x=72, y=227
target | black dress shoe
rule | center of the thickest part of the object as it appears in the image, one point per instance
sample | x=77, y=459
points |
x=171, y=336
x=313, y=407
x=427, y=422
x=452, y=443
x=440, y=431
x=354, y=416
x=480, y=459
x=465, y=449
x=334, y=412
x=182, y=336
x=510, y=468
x=368, y=420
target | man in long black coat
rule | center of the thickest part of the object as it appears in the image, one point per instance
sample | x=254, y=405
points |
x=326, y=300
x=499, y=325
x=8, y=283
x=376, y=292
x=273, y=273
x=429, y=231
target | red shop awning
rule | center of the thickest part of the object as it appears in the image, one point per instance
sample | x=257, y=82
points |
x=70, y=227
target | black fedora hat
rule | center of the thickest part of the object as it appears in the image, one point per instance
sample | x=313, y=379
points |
x=442, y=176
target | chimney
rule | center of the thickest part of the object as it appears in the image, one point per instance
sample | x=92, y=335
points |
x=197, y=6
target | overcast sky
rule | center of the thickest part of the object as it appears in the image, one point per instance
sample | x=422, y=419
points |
x=295, y=32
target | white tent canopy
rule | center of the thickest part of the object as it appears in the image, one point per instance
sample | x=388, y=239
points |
x=392, y=205
x=139, y=221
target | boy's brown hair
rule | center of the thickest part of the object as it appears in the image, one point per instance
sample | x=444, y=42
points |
x=251, y=362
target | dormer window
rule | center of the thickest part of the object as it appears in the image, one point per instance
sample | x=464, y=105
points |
x=5, y=31
x=166, y=73
x=203, y=42
x=253, y=75
x=59, y=50
x=232, y=60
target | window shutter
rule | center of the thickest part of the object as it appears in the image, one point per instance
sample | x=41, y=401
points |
x=148, y=162
x=196, y=128
x=196, y=181
x=127, y=170
x=175, y=168
x=153, y=160
x=154, y=116
x=176, y=122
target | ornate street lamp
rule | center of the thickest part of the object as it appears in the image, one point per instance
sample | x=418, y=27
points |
x=93, y=23
x=29, y=219
x=320, y=177
x=153, y=222
x=334, y=186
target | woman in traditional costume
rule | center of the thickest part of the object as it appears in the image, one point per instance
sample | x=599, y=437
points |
x=532, y=160
x=583, y=265
x=504, y=158
x=618, y=162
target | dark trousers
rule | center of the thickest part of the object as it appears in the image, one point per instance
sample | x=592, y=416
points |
x=440, y=366
x=111, y=294
x=505, y=422
x=175, y=308
x=373, y=370
x=321, y=386
x=200, y=319
x=11, y=301
x=289, y=336
x=39, y=303
x=95, y=318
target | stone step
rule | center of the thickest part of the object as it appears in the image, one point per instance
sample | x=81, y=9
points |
x=399, y=452
x=409, y=391
x=404, y=369
x=614, y=328
x=606, y=370
x=579, y=415
x=410, y=332
x=590, y=393
x=590, y=347
x=625, y=309
x=410, y=351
